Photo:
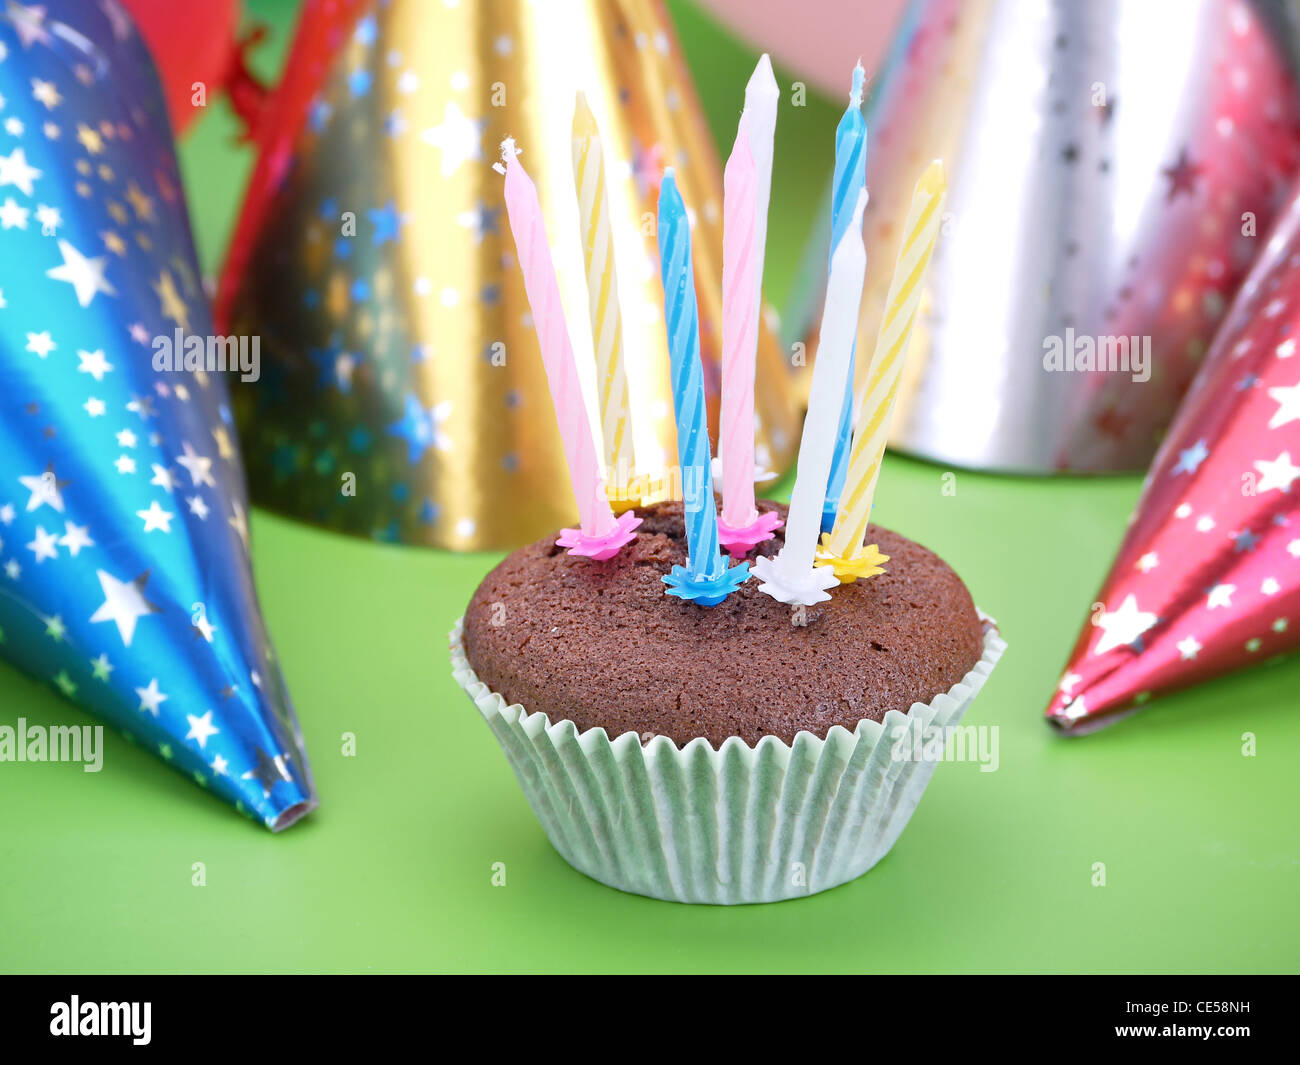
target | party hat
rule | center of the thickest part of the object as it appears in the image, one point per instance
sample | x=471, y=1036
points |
x=125, y=580
x=1208, y=577
x=1113, y=168
x=403, y=396
x=195, y=50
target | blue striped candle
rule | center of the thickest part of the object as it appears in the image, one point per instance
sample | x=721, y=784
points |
x=705, y=578
x=850, y=178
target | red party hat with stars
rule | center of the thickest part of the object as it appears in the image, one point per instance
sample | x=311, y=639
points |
x=1208, y=577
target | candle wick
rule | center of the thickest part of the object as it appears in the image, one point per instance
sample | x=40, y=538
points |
x=508, y=151
x=859, y=75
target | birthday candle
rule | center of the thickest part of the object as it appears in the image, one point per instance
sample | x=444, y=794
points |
x=791, y=577
x=741, y=526
x=602, y=291
x=843, y=545
x=600, y=535
x=850, y=179
x=759, y=121
x=705, y=578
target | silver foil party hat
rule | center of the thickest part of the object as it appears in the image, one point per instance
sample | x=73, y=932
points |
x=1113, y=167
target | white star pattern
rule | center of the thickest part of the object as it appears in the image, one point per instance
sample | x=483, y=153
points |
x=151, y=698
x=13, y=216
x=1123, y=626
x=163, y=478
x=43, y=546
x=156, y=518
x=1276, y=474
x=201, y=728
x=124, y=603
x=49, y=219
x=1288, y=405
x=14, y=170
x=29, y=22
x=459, y=138
x=75, y=537
x=1220, y=596
x=44, y=491
x=85, y=275
x=40, y=344
x=199, y=466
x=94, y=363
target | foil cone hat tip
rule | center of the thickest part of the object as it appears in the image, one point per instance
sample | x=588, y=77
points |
x=1208, y=577
x=125, y=578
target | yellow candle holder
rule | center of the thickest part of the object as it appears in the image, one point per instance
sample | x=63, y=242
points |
x=863, y=562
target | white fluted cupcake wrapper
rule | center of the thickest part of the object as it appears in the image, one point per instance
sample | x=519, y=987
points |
x=738, y=824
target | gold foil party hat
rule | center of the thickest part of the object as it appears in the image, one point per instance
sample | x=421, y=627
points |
x=402, y=394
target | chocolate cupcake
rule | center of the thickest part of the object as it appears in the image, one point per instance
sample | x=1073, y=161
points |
x=748, y=752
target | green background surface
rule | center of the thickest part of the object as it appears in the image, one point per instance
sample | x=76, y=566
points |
x=393, y=872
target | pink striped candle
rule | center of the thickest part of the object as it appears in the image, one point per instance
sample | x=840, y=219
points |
x=601, y=534
x=740, y=526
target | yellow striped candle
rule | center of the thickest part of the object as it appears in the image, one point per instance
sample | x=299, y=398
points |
x=842, y=548
x=602, y=298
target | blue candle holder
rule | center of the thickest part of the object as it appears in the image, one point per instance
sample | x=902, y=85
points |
x=706, y=578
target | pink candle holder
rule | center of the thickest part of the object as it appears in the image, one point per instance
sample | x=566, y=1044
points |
x=605, y=546
x=741, y=539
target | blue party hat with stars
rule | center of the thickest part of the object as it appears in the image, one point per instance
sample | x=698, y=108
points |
x=125, y=579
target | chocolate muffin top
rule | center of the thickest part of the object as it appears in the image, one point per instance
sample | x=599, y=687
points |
x=600, y=644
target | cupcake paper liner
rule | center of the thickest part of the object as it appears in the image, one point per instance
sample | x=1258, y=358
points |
x=737, y=824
